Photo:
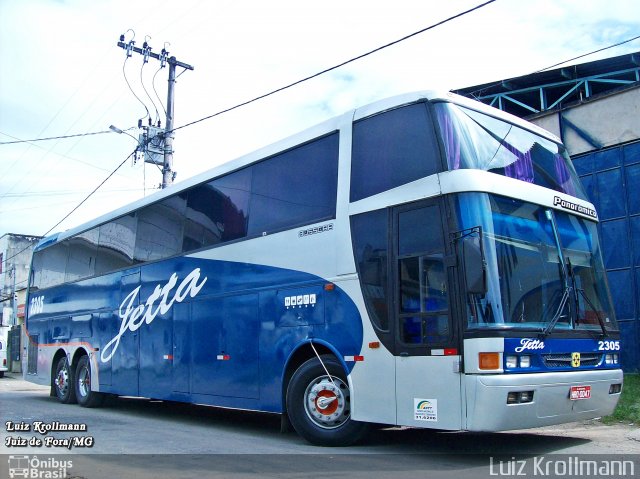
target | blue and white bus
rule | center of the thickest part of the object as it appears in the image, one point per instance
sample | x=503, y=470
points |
x=424, y=261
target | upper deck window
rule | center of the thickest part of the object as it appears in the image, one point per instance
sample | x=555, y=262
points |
x=474, y=140
x=391, y=149
x=289, y=189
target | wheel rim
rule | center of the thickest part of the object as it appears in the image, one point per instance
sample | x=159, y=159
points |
x=84, y=381
x=62, y=380
x=326, y=402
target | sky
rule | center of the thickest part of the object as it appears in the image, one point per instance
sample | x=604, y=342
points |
x=61, y=73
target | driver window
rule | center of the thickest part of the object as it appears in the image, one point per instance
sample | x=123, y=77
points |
x=423, y=297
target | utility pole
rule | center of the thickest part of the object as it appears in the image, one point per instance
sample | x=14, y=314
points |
x=167, y=168
x=168, y=174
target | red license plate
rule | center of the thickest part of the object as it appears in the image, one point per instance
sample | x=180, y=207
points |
x=580, y=392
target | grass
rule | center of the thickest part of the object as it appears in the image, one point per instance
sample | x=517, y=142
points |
x=628, y=409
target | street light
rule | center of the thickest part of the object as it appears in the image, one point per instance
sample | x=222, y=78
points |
x=117, y=130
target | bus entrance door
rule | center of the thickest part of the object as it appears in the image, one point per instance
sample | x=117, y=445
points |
x=428, y=380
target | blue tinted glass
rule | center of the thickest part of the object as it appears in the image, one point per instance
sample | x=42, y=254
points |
x=116, y=244
x=589, y=188
x=478, y=141
x=49, y=266
x=583, y=164
x=620, y=282
x=370, y=242
x=629, y=352
x=611, y=194
x=217, y=211
x=633, y=187
x=83, y=251
x=296, y=187
x=608, y=158
x=615, y=236
x=392, y=149
x=160, y=226
x=631, y=153
x=420, y=231
x=634, y=222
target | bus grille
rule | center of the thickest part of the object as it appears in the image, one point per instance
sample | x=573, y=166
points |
x=563, y=360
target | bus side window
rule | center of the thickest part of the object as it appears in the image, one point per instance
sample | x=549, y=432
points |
x=370, y=242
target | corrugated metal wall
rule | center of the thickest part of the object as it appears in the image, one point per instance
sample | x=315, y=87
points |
x=612, y=179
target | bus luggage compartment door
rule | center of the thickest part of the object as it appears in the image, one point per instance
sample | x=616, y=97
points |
x=126, y=359
x=224, y=344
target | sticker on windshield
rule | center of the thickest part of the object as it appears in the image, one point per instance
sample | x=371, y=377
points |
x=425, y=409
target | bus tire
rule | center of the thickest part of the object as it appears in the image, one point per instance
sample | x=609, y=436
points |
x=318, y=406
x=63, y=382
x=85, y=396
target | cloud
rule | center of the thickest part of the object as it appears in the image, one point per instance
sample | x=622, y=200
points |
x=66, y=75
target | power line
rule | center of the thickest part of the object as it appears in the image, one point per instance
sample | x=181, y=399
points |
x=92, y=192
x=79, y=204
x=124, y=74
x=587, y=54
x=64, y=193
x=491, y=85
x=153, y=84
x=55, y=153
x=55, y=137
x=327, y=70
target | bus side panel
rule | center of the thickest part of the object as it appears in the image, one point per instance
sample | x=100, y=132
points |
x=283, y=328
x=224, y=344
x=181, y=374
x=323, y=316
x=156, y=351
x=103, y=328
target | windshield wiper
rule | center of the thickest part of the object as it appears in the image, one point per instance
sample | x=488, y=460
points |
x=600, y=320
x=586, y=298
x=568, y=286
x=558, y=315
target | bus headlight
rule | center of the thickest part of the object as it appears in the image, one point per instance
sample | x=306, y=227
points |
x=611, y=359
x=512, y=361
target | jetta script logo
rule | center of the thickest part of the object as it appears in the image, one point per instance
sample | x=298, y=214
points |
x=529, y=344
x=134, y=317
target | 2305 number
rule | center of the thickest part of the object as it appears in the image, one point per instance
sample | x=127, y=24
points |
x=608, y=345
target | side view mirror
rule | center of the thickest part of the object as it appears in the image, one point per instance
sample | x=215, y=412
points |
x=473, y=262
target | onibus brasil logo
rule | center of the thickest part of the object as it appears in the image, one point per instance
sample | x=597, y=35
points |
x=25, y=466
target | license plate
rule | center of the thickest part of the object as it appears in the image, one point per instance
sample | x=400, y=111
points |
x=580, y=392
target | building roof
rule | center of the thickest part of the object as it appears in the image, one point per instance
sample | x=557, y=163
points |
x=532, y=94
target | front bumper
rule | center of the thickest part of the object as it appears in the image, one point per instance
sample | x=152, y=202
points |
x=487, y=408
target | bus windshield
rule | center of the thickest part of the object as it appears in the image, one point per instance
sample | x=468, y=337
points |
x=478, y=141
x=525, y=247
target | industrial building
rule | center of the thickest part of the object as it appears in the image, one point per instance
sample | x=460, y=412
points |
x=594, y=108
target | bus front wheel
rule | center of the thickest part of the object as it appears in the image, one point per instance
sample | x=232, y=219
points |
x=319, y=405
x=63, y=382
x=85, y=396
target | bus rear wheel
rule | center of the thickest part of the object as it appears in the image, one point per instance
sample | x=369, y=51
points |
x=63, y=382
x=85, y=396
x=319, y=405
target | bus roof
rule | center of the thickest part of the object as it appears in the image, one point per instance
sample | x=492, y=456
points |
x=325, y=127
